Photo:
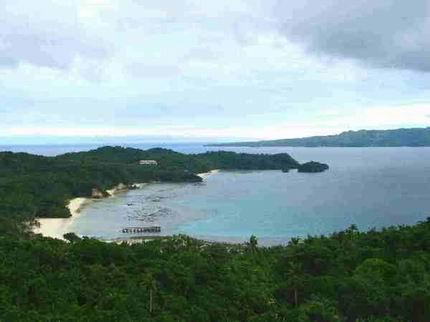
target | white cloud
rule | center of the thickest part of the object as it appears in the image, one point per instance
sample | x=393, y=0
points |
x=211, y=69
x=45, y=33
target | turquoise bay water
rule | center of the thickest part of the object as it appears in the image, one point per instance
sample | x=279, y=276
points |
x=369, y=187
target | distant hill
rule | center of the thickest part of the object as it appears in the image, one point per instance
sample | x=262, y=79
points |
x=416, y=137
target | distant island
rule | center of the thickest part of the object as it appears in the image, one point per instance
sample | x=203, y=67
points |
x=414, y=137
x=312, y=167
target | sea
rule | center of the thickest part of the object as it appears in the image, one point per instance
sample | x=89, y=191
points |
x=371, y=188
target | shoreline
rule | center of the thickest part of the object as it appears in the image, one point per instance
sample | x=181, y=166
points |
x=57, y=227
x=204, y=175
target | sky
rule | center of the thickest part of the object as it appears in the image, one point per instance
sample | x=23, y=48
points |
x=187, y=70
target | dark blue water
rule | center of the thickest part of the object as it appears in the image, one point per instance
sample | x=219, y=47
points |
x=369, y=187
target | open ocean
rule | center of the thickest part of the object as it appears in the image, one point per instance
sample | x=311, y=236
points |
x=369, y=187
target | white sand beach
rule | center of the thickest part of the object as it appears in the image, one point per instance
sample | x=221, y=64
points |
x=204, y=175
x=119, y=188
x=57, y=227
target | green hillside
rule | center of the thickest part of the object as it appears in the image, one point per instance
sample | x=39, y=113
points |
x=364, y=138
x=35, y=186
x=348, y=276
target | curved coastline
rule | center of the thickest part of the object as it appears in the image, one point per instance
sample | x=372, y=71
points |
x=57, y=227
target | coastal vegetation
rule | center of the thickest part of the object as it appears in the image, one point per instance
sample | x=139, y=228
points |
x=415, y=137
x=35, y=186
x=347, y=276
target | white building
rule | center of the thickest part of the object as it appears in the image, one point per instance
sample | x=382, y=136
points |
x=148, y=162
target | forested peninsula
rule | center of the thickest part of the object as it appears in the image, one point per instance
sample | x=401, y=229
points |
x=36, y=186
x=415, y=137
x=348, y=276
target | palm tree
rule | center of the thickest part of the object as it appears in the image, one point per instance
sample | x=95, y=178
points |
x=295, y=279
x=151, y=284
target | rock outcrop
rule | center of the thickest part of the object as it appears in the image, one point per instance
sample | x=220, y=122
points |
x=97, y=193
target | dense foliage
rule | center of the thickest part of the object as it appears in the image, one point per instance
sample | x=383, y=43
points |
x=36, y=186
x=349, y=276
x=362, y=138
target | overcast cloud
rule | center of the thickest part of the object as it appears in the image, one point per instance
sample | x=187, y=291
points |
x=45, y=33
x=385, y=33
x=236, y=68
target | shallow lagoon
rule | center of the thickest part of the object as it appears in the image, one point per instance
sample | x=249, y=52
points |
x=369, y=187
